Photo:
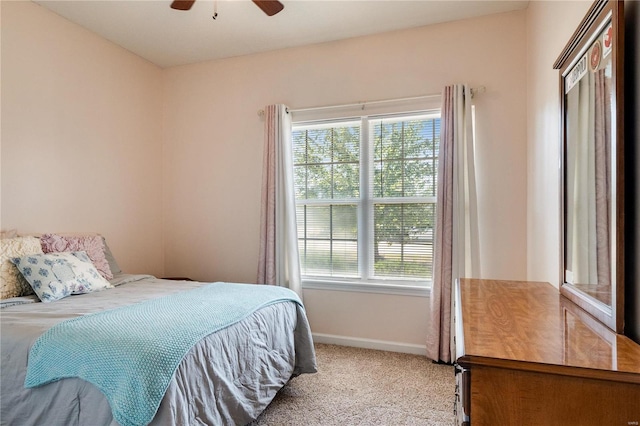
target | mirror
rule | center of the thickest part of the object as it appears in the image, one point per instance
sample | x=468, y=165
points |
x=592, y=261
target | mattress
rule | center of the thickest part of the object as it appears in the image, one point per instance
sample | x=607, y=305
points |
x=227, y=378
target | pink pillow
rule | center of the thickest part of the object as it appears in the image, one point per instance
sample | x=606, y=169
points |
x=91, y=244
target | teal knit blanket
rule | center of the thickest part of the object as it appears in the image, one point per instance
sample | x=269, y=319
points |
x=131, y=353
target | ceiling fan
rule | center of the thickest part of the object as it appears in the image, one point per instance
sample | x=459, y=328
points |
x=270, y=7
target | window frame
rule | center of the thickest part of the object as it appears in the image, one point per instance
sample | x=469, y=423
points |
x=366, y=202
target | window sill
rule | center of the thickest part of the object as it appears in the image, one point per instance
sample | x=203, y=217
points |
x=358, y=287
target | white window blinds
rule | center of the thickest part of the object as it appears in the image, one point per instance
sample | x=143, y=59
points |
x=365, y=196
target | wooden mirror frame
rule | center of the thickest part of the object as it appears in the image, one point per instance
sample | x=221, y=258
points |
x=611, y=315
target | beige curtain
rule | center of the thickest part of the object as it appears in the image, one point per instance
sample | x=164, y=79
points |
x=278, y=262
x=580, y=187
x=456, y=230
x=588, y=153
x=602, y=137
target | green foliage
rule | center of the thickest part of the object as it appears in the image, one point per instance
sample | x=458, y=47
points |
x=327, y=163
x=405, y=158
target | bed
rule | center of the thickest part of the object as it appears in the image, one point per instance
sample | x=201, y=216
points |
x=228, y=377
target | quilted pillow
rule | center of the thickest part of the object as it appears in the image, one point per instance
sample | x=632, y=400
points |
x=12, y=284
x=56, y=275
x=93, y=245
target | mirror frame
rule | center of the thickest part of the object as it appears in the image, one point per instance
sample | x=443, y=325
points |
x=612, y=316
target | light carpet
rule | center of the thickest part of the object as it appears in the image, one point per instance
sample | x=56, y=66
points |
x=356, y=386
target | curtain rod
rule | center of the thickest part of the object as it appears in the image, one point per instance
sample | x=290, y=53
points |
x=474, y=91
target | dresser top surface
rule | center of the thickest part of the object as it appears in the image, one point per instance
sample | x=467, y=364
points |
x=531, y=322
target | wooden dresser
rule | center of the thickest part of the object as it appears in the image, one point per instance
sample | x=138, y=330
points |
x=528, y=356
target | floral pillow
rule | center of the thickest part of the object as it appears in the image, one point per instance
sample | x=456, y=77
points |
x=56, y=275
x=93, y=245
x=12, y=284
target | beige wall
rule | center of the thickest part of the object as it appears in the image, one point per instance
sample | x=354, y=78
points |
x=549, y=27
x=81, y=136
x=96, y=139
x=82, y=122
x=213, y=151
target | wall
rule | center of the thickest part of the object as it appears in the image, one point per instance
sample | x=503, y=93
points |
x=549, y=27
x=213, y=151
x=81, y=125
x=81, y=136
x=83, y=120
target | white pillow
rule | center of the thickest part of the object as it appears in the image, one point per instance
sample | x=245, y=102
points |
x=56, y=275
x=11, y=282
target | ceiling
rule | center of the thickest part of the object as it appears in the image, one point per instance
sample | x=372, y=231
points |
x=167, y=37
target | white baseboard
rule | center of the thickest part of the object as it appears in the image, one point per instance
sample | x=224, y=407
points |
x=381, y=345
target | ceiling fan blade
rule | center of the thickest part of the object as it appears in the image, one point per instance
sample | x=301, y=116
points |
x=182, y=4
x=270, y=7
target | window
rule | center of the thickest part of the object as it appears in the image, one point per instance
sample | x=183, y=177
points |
x=365, y=198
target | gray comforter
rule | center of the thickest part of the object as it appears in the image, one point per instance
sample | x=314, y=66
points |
x=229, y=377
